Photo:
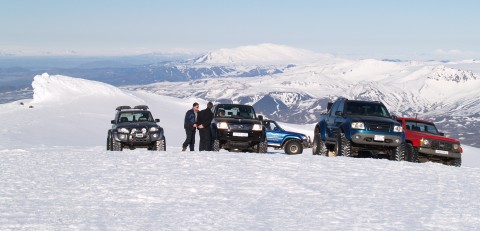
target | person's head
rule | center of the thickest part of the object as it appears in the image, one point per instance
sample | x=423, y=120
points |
x=209, y=105
x=195, y=106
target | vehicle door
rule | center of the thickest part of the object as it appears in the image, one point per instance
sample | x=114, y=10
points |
x=330, y=121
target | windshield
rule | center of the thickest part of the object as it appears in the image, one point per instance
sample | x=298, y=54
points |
x=235, y=111
x=135, y=116
x=366, y=109
x=421, y=127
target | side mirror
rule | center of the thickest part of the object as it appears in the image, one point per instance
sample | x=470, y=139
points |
x=157, y=120
x=394, y=117
x=441, y=133
x=112, y=121
x=260, y=117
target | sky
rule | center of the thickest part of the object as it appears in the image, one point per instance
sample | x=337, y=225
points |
x=387, y=29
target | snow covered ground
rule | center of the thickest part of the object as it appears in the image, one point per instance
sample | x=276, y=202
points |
x=56, y=175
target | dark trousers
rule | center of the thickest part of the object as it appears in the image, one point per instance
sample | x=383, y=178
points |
x=205, y=139
x=190, y=140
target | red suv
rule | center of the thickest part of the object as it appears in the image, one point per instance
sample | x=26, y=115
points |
x=425, y=143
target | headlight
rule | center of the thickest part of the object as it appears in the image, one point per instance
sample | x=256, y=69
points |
x=358, y=125
x=456, y=146
x=153, y=129
x=424, y=142
x=122, y=130
x=257, y=127
x=222, y=125
x=304, y=137
x=144, y=130
x=397, y=128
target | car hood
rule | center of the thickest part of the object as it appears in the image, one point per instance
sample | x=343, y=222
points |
x=238, y=121
x=136, y=124
x=431, y=136
x=374, y=119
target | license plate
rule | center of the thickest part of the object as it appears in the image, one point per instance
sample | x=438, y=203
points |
x=379, y=138
x=441, y=152
x=139, y=135
x=241, y=134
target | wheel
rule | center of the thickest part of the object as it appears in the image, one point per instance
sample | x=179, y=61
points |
x=398, y=154
x=411, y=153
x=322, y=148
x=160, y=145
x=262, y=147
x=315, y=145
x=109, y=141
x=343, y=146
x=116, y=146
x=457, y=162
x=216, y=146
x=293, y=147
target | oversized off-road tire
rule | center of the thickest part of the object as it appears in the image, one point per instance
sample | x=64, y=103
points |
x=109, y=141
x=160, y=145
x=322, y=148
x=315, y=145
x=262, y=147
x=293, y=147
x=457, y=162
x=411, y=153
x=343, y=147
x=398, y=154
x=216, y=146
x=116, y=146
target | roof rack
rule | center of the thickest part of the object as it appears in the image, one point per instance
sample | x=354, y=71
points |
x=143, y=107
x=119, y=108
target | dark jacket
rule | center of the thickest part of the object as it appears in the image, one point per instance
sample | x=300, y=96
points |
x=205, y=117
x=189, y=120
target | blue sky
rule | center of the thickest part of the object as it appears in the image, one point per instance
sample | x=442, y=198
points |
x=386, y=29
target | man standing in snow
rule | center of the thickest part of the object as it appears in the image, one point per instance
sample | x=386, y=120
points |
x=190, y=125
x=205, y=118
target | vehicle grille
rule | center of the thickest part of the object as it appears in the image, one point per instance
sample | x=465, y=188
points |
x=241, y=127
x=440, y=145
x=379, y=127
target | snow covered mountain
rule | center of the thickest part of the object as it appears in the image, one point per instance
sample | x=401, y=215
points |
x=294, y=85
x=57, y=175
x=298, y=93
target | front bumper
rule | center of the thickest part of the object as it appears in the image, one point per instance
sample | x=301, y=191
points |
x=239, y=139
x=137, y=138
x=442, y=153
x=380, y=139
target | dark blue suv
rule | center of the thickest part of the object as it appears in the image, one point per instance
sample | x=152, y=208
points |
x=354, y=127
x=292, y=142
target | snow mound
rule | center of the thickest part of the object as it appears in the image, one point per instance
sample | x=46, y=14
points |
x=260, y=54
x=56, y=88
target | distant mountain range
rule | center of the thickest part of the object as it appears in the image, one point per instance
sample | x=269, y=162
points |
x=294, y=85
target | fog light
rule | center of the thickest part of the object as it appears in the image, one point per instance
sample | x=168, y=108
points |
x=122, y=136
x=357, y=137
x=397, y=141
x=155, y=135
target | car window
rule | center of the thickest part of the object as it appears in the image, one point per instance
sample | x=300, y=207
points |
x=136, y=116
x=366, y=109
x=421, y=127
x=235, y=111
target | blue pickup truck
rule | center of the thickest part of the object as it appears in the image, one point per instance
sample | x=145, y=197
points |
x=292, y=142
x=358, y=128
